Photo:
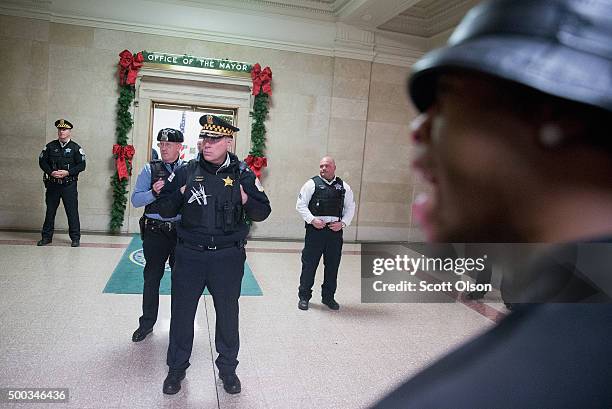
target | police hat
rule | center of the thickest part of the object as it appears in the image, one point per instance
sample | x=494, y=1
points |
x=63, y=124
x=170, y=135
x=562, y=48
x=215, y=127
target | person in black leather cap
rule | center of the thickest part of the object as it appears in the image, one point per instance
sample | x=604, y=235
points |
x=213, y=195
x=514, y=135
x=158, y=233
x=61, y=161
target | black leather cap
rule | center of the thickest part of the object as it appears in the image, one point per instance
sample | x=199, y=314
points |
x=559, y=47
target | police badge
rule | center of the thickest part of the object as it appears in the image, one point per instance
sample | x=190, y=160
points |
x=164, y=135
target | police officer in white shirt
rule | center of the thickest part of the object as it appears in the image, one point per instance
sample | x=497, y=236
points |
x=327, y=206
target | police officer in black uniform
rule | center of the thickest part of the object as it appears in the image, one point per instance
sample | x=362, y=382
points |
x=158, y=233
x=213, y=195
x=326, y=204
x=62, y=160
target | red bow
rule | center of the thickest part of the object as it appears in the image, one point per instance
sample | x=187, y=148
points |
x=261, y=79
x=256, y=163
x=129, y=65
x=123, y=160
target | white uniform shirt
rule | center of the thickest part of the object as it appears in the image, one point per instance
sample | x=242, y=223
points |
x=348, y=210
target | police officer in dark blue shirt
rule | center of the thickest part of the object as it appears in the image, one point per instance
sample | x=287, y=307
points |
x=61, y=161
x=158, y=233
x=213, y=195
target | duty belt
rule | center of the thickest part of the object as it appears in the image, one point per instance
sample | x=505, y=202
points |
x=62, y=181
x=160, y=224
x=204, y=247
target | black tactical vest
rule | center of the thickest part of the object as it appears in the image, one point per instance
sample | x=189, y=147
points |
x=212, y=202
x=61, y=158
x=158, y=171
x=327, y=200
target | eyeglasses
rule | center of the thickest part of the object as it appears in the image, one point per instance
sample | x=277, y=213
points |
x=212, y=141
x=166, y=145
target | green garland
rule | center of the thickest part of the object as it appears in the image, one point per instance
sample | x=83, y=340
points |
x=258, y=128
x=124, y=125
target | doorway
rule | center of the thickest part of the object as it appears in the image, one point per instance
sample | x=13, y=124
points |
x=186, y=119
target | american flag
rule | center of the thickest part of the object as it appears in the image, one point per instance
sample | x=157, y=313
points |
x=182, y=129
x=182, y=126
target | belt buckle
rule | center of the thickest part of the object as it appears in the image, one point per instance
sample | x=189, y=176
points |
x=212, y=247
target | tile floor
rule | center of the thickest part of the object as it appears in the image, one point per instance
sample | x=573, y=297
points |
x=59, y=330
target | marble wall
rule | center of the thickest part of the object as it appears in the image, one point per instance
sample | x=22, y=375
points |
x=357, y=111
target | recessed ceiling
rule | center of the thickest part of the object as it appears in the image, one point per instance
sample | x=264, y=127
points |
x=424, y=18
x=429, y=17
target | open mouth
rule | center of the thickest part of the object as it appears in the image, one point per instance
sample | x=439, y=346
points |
x=425, y=204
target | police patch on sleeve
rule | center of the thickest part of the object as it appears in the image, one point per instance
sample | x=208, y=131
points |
x=171, y=177
x=82, y=152
x=258, y=185
x=41, y=154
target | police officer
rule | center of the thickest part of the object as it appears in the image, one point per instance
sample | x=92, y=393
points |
x=213, y=196
x=62, y=160
x=200, y=145
x=158, y=233
x=326, y=204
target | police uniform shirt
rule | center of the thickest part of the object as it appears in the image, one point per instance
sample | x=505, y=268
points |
x=143, y=193
x=257, y=206
x=58, y=156
x=348, y=209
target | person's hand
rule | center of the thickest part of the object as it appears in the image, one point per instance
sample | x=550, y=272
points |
x=59, y=174
x=243, y=195
x=335, y=226
x=318, y=223
x=183, y=189
x=157, y=186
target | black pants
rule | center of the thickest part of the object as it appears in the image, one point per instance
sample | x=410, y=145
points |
x=158, y=246
x=327, y=243
x=69, y=195
x=221, y=271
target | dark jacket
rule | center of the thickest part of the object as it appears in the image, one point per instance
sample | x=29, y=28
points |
x=542, y=355
x=71, y=158
x=207, y=226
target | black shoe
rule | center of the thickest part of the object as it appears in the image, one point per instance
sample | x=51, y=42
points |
x=140, y=334
x=231, y=383
x=331, y=303
x=172, y=383
x=303, y=304
x=43, y=242
x=75, y=243
x=475, y=295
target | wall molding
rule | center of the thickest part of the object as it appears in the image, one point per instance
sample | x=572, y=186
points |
x=272, y=31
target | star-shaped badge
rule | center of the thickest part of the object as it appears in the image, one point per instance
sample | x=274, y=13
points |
x=228, y=181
